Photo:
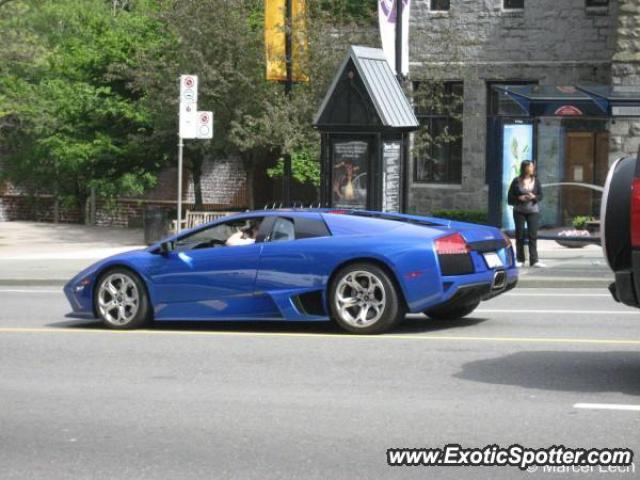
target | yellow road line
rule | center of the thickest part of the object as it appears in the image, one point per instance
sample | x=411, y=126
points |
x=589, y=341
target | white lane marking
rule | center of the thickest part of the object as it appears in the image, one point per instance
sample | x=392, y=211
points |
x=342, y=336
x=563, y=312
x=17, y=290
x=607, y=406
x=522, y=294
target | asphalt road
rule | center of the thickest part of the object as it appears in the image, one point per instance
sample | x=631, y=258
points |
x=306, y=401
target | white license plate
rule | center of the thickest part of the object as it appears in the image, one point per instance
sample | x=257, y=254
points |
x=493, y=260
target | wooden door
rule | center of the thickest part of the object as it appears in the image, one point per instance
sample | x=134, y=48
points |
x=578, y=168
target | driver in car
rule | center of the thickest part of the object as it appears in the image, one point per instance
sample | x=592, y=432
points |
x=243, y=237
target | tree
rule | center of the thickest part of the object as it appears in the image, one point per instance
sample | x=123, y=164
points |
x=283, y=124
x=71, y=100
x=101, y=78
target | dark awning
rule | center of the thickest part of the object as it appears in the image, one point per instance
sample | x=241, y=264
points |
x=579, y=100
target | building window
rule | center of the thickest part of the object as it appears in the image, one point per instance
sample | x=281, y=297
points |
x=597, y=3
x=513, y=4
x=440, y=5
x=437, y=146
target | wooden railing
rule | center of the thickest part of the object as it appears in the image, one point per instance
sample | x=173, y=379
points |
x=193, y=219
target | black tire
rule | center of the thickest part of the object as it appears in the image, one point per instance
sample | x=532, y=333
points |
x=389, y=314
x=142, y=314
x=451, y=312
x=616, y=215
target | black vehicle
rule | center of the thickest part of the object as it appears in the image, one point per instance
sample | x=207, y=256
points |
x=620, y=227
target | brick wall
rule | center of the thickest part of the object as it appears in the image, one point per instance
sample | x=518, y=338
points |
x=223, y=182
x=223, y=187
x=39, y=208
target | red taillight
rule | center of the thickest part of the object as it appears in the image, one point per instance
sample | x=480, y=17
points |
x=451, y=245
x=507, y=240
x=338, y=212
x=635, y=213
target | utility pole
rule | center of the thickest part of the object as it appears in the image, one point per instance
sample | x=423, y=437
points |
x=399, y=8
x=286, y=177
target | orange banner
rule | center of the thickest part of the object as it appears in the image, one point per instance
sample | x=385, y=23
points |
x=275, y=14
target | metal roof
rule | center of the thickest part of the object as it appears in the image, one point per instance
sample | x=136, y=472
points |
x=389, y=100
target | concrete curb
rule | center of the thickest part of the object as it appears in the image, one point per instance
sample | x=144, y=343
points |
x=564, y=282
x=33, y=282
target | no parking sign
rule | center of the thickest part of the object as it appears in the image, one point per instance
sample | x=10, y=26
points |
x=205, y=125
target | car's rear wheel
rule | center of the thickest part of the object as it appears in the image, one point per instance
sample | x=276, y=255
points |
x=364, y=299
x=121, y=300
x=452, y=312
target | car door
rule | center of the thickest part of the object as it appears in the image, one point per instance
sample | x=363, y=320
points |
x=205, y=279
x=293, y=258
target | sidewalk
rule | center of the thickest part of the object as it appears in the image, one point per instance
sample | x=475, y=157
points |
x=583, y=267
x=46, y=254
x=50, y=254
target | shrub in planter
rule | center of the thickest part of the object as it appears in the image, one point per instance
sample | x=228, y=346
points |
x=579, y=230
x=471, y=216
x=580, y=222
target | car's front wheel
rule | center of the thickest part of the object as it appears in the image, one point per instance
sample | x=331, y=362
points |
x=121, y=300
x=363, y=299
x=452, y=312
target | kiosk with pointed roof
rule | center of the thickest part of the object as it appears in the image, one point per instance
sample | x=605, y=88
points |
x=364, y=121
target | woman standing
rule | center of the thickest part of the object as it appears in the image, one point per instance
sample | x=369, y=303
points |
x=525, y=194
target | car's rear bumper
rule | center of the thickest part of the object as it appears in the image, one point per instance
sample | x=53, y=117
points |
x=626, y=288
x=472, y=293
x=463, y=289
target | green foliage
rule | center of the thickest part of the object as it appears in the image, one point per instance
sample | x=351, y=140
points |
x=580, y=222
x=277, y=124
x=471, y=216
x=68, y=110
x=88, y=90
x=348, y=10
x=304, y=167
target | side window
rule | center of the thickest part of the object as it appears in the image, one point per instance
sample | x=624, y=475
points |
x=232, y=233
x=283, y=230
x=311, y=228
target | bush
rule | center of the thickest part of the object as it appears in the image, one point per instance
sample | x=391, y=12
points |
x=471, y=216
x=580, y=222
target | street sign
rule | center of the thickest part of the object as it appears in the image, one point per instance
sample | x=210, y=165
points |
x=188, y=106
x=188, y=89
x=205, y=125
x=188, y=120
x=192, y=124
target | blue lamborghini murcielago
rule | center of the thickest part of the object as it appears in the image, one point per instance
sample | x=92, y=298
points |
x=362, y=269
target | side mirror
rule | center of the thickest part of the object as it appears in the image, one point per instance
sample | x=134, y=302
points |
x=166, y=248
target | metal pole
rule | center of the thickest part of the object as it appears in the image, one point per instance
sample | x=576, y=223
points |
x=179, y=219
x=399, y=7
x=286, y=174
x=288, y=46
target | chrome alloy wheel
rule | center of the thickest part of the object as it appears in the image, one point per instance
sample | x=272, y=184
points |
x=360, y=298
x=118, y=299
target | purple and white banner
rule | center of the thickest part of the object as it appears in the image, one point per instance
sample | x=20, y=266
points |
x=387, y=19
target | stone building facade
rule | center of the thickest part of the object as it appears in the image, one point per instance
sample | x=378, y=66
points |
x=625, y=71
x=481, y=43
